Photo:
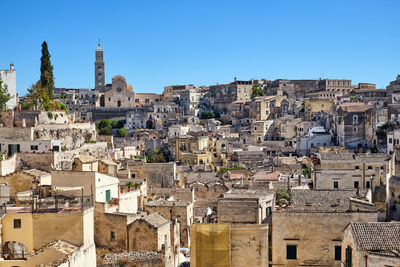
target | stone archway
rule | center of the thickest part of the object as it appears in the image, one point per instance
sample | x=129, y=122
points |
x=149, y=124
x=14, y=250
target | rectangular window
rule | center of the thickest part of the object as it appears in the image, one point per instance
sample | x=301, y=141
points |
x=357, y=167
x=291, y=252
x=369, y=167
x=349, y=256
x=338, y=253
x=355, y=184
x=335, y=184
x=34, y=147
x=108, y=196
x=390, y=140
x=17, y=223
x=268, y=211
x=368, y=185
x=112, y=235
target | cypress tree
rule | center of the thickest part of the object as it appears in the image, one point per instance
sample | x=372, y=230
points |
x=46, y=71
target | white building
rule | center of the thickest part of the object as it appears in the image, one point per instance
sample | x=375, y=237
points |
x=7, y=165
x=9, y=77
x=33, y=146
x=393, y=139
x=177, y=130
x=316, y=137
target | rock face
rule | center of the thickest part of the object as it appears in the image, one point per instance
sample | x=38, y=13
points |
x=149, y=256
x=71, y=138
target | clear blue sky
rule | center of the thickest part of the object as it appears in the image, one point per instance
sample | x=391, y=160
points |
x=159, y=43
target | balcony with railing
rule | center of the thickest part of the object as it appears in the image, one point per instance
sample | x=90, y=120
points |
x=53, y=204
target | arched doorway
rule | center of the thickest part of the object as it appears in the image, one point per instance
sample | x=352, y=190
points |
x=149, y=124
x=13, y=250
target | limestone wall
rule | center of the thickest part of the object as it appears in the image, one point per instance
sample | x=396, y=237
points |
x=17, y=181
x=7, y=166
x=41, y=161
x=249, y=245
x=142, y=237
x=72, y=135
x=299, y=228
x=48, y=227
x=238, y=210
x=7, y=118
x=16, y=134
x=104, y=224
x=53, y=117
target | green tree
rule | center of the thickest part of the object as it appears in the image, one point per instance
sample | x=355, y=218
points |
x=307, y=173
x=46, y=71
x=282, y=193
x=256, y=91
x=157, y=156
x=129, y=184
x=207, y=115
x=105, y=131
x=104, y=124
x=116, y=124
x=34, y=99
x=4, y=95
x=122, y=132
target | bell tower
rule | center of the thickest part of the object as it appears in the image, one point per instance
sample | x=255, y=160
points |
x=99, y=71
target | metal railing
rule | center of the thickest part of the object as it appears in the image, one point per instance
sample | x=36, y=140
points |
x=34, y=204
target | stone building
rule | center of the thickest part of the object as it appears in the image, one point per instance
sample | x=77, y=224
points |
x=394, y=86
x=245, y=206
x=157, y=174
x=9, y=78
x=316, y=137
x=33, y=235
x=261, y=131
x=222, y=95
x=142, y=99
x=120, y=95
x=342, y=87
x=111, y=228
x=280, y=86
x=393, y=199
x=310, y=231
x=348, y=170
x=316, y=105
x=355, y=124
x=152, y=233
x=392, y=140
x=99, y=70
x=192, y=148
x=208, y=190
x=225, y=244
x=103, y=187
x=303, y=87
x=371, y=244
x=268, y=107
x=190, y=100
x=173, y=91
x=182, y=211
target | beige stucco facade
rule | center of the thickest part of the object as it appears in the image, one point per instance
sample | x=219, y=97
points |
x=299, y=229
